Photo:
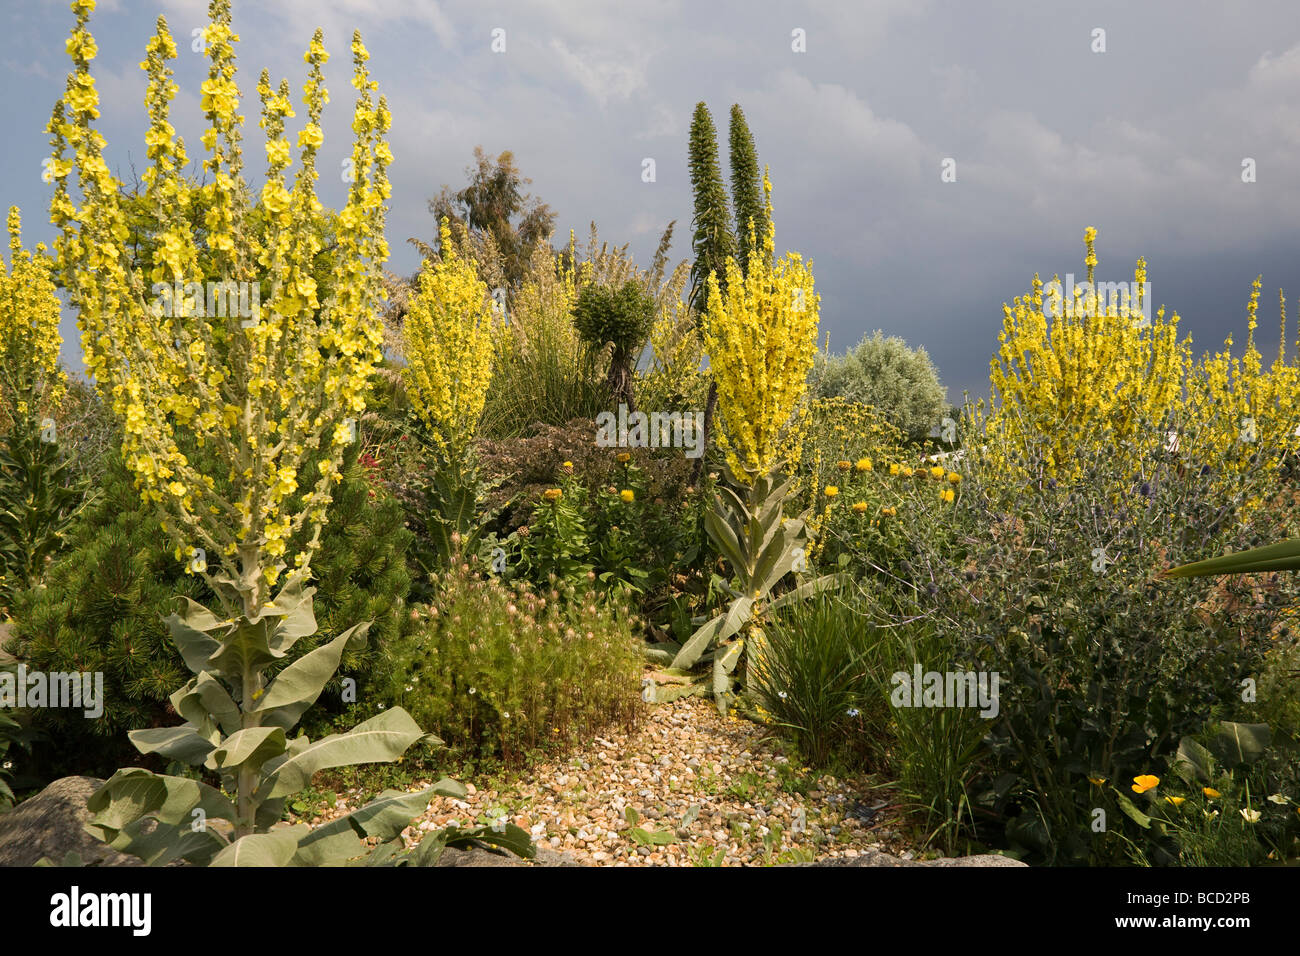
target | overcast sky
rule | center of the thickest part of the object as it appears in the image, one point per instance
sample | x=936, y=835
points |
x=1144, y=141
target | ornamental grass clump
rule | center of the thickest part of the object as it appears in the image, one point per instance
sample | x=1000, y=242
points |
x=259, y=387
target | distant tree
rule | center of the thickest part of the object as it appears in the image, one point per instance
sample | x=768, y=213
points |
x=494, y=204
x=746, y=187
x=713, y=240
x=883, y=372
x=620, y=316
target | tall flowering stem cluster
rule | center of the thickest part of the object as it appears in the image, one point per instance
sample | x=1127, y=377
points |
x=449, y=343
x=260, y=389
x=1249, y=415
x=1087, y=371
x=29, y=331
x=761, y=338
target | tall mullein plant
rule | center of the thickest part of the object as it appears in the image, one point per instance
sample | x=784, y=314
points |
x=38, y=499
x=761, y=337
x=449, y=337
x=262, y=391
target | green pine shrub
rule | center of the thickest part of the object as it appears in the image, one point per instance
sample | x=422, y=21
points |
x=101, y=608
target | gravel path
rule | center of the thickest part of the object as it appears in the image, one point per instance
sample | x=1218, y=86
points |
x=700, y=788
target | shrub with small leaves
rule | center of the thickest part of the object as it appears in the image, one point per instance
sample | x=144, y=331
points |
x=502, y=671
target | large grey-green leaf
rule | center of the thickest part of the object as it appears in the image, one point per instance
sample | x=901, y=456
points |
x=1240, y=744
x=256, y=745
x=335, y=847
x=724, y=664
x=133, y=793
x=826, y=582
x=718, y=629
x=203, y=696
x=385, y=818
x=299, y=685
x=123, y=798
x=248, y=646
x=276, y=848
x=724, y=537
x=158, y=845
x=189, y=631
x=1193, y=762
x=380, y=739
x=293, y=606
x=174, y=743
x=778, y=556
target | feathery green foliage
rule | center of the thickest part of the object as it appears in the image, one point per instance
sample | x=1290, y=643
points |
x=713, y=240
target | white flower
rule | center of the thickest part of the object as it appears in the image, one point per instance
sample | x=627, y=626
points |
x=782, y=694
x=472, y=691
x=1250, y=816
x=853, y=712
x=1280, y=800
x=505, y=714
